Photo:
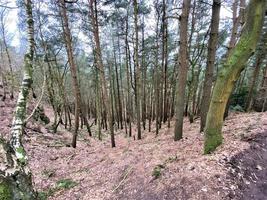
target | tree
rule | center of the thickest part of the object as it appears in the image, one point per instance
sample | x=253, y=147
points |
x=230, y=72
x=137, y=72
x=213, y=40
x=15, y=179
x=3, y=30
x=182, y=74
x=238, y=21
x=100, y=65
x=260, y=56
x=73, y=68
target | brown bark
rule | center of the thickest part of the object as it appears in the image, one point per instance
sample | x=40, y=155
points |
x=237, y=21
x=253, y=83
x=183, y=69
x=213, y=40
x=127, y=60
x=3, y=29
x=138, y=71
x=73, y=69
x=164, y=60
x=100, y=65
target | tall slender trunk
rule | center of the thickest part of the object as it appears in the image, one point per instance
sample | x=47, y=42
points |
x=213, y=40
x=156, y=81
x=144, y=81
x=119, y=113
x=3, y=29
x=164, y=60
x=127, y=71
x=98, y=107
x=183, y=68
x=73, y=69
x=10, y=67
x=253, y=84
x=138, y=71
x=100, y=65
x=3, y=78
x=237, y=22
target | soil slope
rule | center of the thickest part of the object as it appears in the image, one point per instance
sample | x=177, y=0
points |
x=152, y=168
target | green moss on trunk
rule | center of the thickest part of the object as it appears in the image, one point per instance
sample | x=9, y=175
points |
x=230, y=72
x=5, y=191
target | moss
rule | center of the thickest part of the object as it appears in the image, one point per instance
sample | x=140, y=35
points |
x=42, y=195
x=230, y=72
x=66, y=184
x=212, y=140
x=5, y=191
x=156, y=173
x=22, y=158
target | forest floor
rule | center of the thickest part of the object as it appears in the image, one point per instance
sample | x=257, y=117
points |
x=154, y=168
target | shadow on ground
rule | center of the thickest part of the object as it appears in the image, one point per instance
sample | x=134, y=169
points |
x=249, y=168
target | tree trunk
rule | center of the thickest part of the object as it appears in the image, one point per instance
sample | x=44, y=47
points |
x=230, y=72
x=8, y=57
x=100, y=65
x=73, y=69
x=253, y=83
x=127, y=71
x=165, y=59
x=15, y=179
x=3, y=78
x=138, y=72
x=237, y=21
x=182, y=75
x=213, y=40
x=144, y=78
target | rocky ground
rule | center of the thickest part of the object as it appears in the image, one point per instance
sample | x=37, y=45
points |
x=149, y=169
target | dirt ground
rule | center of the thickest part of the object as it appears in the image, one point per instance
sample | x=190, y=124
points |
x=249, y=168
x=152, y=168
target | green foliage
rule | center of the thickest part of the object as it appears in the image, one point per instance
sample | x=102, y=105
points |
x=237, y=108
x=43, y=195
x=5, y=192
x=156, y=173
x=65, y=184
x=239, y=98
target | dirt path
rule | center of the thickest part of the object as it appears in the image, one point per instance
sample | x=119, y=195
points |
x=250, y=169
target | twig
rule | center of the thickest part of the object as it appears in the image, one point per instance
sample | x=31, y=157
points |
x=33, y=129
x=70, y=157
x=123, y=179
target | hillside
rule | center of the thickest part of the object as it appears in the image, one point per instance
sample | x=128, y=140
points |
x=151, y=168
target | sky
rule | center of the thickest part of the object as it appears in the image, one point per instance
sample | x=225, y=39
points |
x=14, y=31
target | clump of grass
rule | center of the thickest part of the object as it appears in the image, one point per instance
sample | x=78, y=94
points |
x=66, y=184
x=63, y=184
x=156, y=173
x=43, y=195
